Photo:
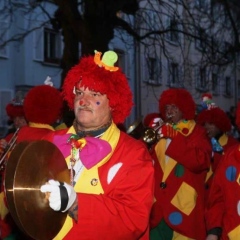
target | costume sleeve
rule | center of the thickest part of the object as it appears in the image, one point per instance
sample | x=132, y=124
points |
x=215, y=202
x=193, y=151
x=122, y=213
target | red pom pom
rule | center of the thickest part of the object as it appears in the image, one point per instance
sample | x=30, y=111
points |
x=185, y=131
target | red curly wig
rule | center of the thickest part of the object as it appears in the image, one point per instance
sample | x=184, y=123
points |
x=43, y=104
x=179, y=97
x=14, y=111
x=113, y=84
x=215, y=116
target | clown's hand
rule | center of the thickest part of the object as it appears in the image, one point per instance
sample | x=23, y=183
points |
x=61, y=195
x=167, y=131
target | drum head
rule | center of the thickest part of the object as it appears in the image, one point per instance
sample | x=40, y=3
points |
x=32, y=165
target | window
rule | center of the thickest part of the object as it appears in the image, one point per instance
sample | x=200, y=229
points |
x=201, y=39
x=5, y=98
x=121, y=62
x=52, y=46
x=201, y=4
x=237, y=58
x=238, y=88
x=201, y=79
x=151, y=19
x=173, y=26
x=153, y=73
x=215, y=84
x=174, y=35
x=173, y=75
x=3, y=39
x=228, y=86
x=228, y=54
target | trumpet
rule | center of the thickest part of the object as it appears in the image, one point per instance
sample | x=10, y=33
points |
x=11, y=144
x=150, y=135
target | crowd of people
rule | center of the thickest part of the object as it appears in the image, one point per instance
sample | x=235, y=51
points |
x=179, y=183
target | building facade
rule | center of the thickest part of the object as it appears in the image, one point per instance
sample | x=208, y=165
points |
x=188, y=46
x=31, y=50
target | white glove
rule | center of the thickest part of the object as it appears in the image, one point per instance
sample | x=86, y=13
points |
x=62, y=195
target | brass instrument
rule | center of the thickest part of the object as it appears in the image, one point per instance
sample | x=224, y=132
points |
x=150, y=135
x=11, y=144
x=29, y=166
x=135, y=129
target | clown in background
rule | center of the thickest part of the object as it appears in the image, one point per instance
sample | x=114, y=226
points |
x=42, y=107
x=217, y=125
x=182, y=159
x=223, y=205
x=15, y=112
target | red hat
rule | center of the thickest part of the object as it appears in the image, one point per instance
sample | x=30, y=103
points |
x=98, y=75
x=15, y=107
x=149, y=118
x=14, y=111
x=43, y=104
x=206, y=96
x=215, y=116
x=180, y=98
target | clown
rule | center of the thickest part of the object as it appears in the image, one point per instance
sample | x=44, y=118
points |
x=111, y=190
x=217, y=125
x=15, y=112
x=222, y=214
x=182, y=158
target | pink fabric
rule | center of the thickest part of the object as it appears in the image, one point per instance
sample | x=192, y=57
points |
x=92, y=153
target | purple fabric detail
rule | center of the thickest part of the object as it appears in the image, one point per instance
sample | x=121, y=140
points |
x=61, y=141
x=94, y=151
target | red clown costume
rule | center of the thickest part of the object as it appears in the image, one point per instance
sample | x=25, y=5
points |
x=43, y=107
x=15, y=112
x=219, y=118
x=115, y=194
x=223, y=206
x=181, y=165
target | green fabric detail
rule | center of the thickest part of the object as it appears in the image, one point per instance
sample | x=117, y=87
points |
x=179, y=170
x=176, y=125
x=161, y=232
x=12, y=236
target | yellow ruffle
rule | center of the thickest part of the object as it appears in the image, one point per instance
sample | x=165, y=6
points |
x=40, y=125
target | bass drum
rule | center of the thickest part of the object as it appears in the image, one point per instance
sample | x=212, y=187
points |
x=30, y=165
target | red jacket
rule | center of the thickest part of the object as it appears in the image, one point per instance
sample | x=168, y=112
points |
x=223, y=202
x=184, y=186
x=122, y=211
x=216, y=159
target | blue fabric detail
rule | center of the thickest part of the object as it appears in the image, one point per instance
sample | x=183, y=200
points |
x=175, y=218
x=216, y=147
x=231, y=173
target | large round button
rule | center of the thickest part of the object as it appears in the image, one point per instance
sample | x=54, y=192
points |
x=94, y=182
x=163, y=185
